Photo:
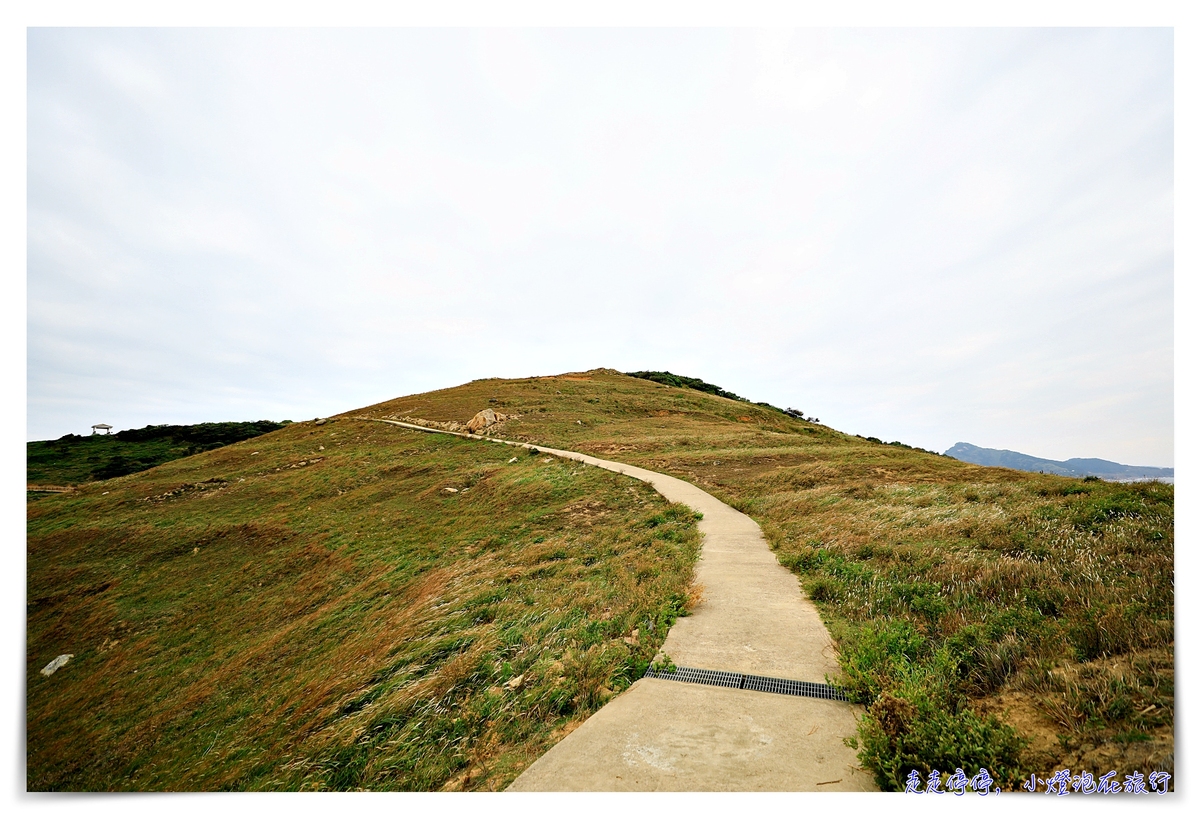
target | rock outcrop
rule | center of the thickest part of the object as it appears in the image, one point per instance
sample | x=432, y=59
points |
x=485, y=420
x=56, y=663
x=482, y=421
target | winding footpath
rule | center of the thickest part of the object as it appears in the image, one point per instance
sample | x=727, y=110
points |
x=665, y=735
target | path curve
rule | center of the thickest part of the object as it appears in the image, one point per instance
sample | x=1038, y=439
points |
x=753, y=618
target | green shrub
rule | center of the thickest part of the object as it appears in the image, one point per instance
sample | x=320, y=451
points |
x=917, y=717
x=878, y=655
x=915, y=731
x=681, y=381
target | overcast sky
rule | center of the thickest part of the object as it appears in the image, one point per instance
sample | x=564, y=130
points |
x=925, y=235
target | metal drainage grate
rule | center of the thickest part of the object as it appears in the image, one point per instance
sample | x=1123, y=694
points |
x=719, y=678
x=746, y=681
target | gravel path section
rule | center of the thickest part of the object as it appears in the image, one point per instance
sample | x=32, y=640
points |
x=662, y=735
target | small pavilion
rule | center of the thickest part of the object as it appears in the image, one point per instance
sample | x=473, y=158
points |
x=97, y=427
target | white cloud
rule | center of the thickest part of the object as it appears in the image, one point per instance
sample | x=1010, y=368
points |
x=926, y=235
x=511, y=66
x=787, y=78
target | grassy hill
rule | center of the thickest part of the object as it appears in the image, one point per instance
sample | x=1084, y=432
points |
x=987, y=617
x=314, y=609
x=73, y=459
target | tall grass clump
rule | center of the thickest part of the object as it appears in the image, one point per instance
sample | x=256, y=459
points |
x=938, y=614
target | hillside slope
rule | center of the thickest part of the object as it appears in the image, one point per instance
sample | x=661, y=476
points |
x=341, y=606
x=987, y=617
x=997, y=618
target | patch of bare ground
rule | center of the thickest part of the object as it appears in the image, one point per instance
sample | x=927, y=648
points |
x=1114, y=713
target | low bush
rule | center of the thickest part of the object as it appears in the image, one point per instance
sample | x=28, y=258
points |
x=682, y=381
x=915, y=731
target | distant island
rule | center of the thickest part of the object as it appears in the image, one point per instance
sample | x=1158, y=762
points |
x=1075, y=467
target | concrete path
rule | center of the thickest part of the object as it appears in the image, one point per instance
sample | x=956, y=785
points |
x=674, y=736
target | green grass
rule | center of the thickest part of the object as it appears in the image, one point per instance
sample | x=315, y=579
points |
x=984, y=616
x=333, y=618
x=74, y=459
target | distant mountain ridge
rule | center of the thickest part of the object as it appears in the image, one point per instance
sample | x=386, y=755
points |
x=1075, y=467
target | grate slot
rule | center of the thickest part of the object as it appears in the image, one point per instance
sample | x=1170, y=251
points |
x=745, y=681
x=790, y=687
x=718, y=678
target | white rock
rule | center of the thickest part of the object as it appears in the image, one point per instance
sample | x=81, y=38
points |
x=449, y=490
x=481, y=421
x=58, y=662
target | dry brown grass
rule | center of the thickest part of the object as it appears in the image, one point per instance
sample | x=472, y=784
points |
x=986, y=577
x=242, y=621
x=1031, y=570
